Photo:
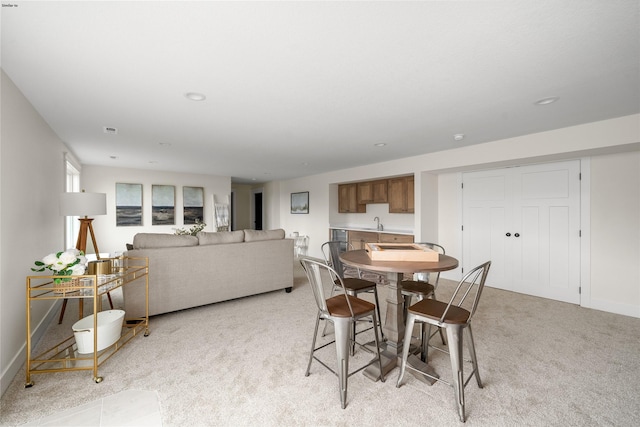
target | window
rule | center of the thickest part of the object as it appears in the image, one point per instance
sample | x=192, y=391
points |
x=71, y=222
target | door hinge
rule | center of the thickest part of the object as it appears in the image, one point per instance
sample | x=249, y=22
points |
x=580, y=176
x=579, y=233
x=580, y=290
x=462, y=185
x=462, y=227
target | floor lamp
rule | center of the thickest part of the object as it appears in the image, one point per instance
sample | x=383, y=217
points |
x=82, y=205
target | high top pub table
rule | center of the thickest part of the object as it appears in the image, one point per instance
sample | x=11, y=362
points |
x=394, y=326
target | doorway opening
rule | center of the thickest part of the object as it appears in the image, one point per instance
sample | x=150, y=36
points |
x=257, y=212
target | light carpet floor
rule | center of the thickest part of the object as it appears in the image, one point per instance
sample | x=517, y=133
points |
x=242, y=363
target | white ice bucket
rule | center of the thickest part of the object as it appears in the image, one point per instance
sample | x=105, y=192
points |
x=109, y=330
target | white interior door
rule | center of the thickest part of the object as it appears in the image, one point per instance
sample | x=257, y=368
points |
x=526, y=220
x=486, y=215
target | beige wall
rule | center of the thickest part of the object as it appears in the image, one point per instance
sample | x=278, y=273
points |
x=610, y=228
x=100, y=179
x=32, y=175
x=30, y=226
x=615, y=233
x=610, y=145
x=242, y=214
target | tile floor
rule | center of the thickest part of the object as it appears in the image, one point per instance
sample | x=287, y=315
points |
x=127, y=408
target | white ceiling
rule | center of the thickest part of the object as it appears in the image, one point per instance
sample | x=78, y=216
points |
x=299, y=88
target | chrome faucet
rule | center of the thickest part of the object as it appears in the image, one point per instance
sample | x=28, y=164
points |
x=380, y=226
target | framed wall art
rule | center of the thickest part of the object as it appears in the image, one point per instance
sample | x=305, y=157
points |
x=128, y=205
x=300, y=203
x=163, y=205
x=193, y=204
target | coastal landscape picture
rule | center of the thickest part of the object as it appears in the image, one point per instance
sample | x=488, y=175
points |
x=300, y=203
x=128, y=205
x=193, y=204
x=163, y=205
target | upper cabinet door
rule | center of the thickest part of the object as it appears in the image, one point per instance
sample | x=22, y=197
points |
x=372, y=192
x=400, y=194
x=380, y=191
x=365, y=192
x=347, y=199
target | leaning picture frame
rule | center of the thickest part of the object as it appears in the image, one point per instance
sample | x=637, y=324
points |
x=300, y=202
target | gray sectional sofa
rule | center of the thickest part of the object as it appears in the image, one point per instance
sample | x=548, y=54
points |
x=189, y=271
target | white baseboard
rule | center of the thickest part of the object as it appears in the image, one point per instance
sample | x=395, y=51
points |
x=19, y=359
x=615, y=307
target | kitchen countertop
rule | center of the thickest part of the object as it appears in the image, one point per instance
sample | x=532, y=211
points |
x=371, y=229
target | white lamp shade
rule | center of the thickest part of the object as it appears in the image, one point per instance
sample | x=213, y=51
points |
x=83, y=204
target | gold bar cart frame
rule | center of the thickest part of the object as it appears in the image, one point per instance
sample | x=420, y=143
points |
x=63, y=356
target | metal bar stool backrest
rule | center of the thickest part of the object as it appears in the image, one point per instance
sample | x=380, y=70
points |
x=316, y=269
x=431, y=278
x=455, y=318
x=343, y=316
x=471, y=284
x=332, y=250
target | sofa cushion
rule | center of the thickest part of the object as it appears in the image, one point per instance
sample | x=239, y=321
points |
x=257, y=235
x=160, y=240
x=220, y=237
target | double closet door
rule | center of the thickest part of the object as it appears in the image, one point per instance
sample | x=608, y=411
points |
x=526, y=220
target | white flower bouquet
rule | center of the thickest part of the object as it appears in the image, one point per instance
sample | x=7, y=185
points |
x=71, y=262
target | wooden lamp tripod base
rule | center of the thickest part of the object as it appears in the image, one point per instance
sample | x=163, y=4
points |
x=85, y=228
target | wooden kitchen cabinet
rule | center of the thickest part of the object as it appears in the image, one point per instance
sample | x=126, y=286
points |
x=357, y=239
x=380, y=191
x=395, y=238
x=348, y=199
x=401, y=194
x=372, y=191
x=365, y=192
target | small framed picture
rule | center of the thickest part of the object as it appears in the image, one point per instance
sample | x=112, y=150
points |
x=300, y=203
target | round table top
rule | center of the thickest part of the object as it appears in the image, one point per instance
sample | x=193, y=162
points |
x=360, y=259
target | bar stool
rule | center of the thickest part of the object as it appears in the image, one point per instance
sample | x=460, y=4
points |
x=351, y=285
x=343, y=310
x=455, y=320
x=423, y=286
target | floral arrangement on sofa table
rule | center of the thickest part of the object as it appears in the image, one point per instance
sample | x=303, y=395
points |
x=71, y=262
x=193, y=230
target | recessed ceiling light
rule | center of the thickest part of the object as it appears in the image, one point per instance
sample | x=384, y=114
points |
x=458, y=136
x=380, y=144
x=195, y=96
x=546, y=101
